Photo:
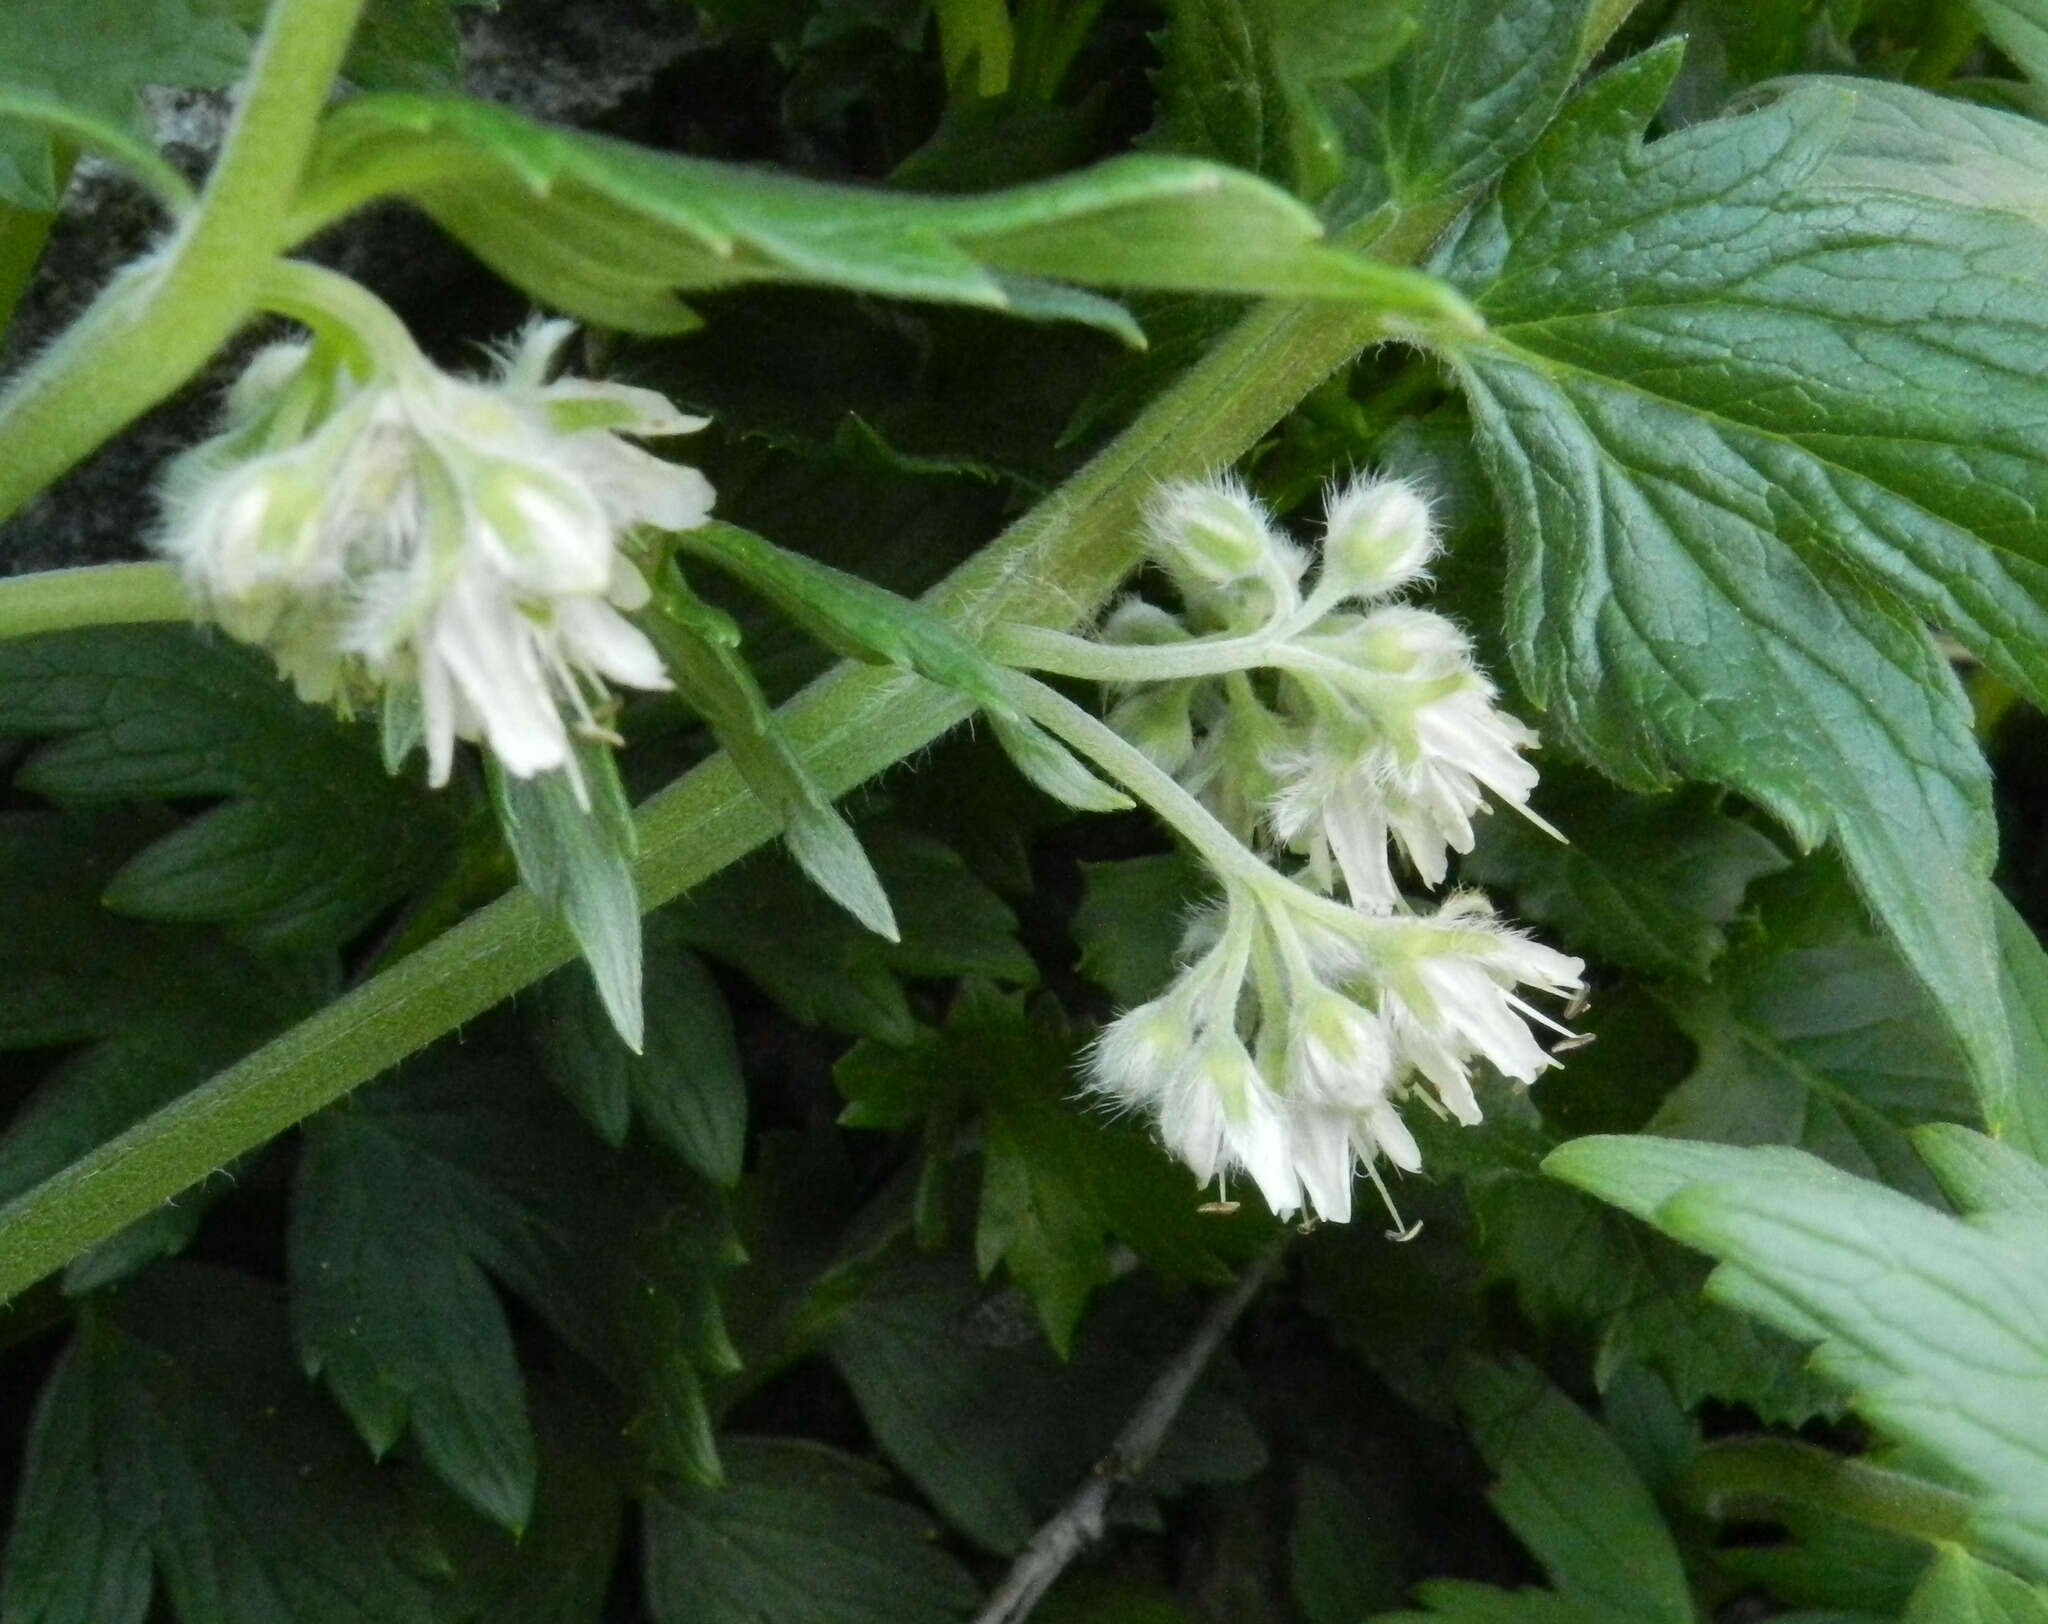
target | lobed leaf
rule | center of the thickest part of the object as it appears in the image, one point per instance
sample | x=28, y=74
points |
x=1938, y=1327
x=1750, y=422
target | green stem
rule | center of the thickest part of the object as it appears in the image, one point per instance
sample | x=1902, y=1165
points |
x=1039, y=648
x=161, y=320
x=100, y=595
x=1748, y=1475
x=1226, y=855
x=1053, y=567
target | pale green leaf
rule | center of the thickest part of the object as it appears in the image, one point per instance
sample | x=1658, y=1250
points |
x=1939, y=1327
x=1980, y=1174
x=1959, y=1589
x=610, y=232
x=576, y=855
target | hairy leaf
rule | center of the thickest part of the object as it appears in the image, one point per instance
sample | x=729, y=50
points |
x=1748, y=424
x=1938, y=1327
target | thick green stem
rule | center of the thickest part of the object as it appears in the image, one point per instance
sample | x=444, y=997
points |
x=101, y=595
x=1751, y=1476
x=1052, y=568
x=161, y=320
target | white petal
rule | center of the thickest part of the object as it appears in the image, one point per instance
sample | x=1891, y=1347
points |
x=598, y=638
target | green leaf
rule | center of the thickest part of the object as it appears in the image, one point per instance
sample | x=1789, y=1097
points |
x=1055, y=1185
x=760, y=917
x=2022, y=1114
x=798, y=1534
x=95, y=57
x=699, y=646
x=467, y=1166
x=609, y=232
x=1728, y=518
x=1569, y=1492
x=1474, y=88
x=1935, y=1324
x=1980, y=1174
x=2020, y=29
x=1959, y=1589
x=1343, y=1557
x=408, y=45
x=577, y=859
x=1814, y=1035
x=1240, y=80
x=161, y=1008
x=685, y=1083
x=1133, y=914
x=961, y=1392
x=855, y=618
x=1644, y=883
x=313, y=840
x=173, y=1439
x=60, y=121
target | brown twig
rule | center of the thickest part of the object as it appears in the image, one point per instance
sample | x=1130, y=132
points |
x=1083, y=1519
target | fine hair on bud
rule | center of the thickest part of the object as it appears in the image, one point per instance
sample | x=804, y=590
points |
x=1377, y=535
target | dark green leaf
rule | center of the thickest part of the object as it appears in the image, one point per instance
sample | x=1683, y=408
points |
x=1644, y=883
x=175, y=1439
x=1830, y=1046
x=610, y=232
x=966, y=1398
x=1132, y=917
x=161, y=1006
x=408, y=45
x=1565, y=1487
x=1055, y=1185
x=314, y=839
x=824, y=969
x=1342, y=1558
x=685, y=1083
x=2020, y=28
x=414, y=1191
x=1240, y=80
x=1728, y=517
x=1475, y=86
x=798, y=1534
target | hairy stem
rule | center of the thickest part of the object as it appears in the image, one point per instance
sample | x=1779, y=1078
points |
x=1052, y=568
x=160, y=321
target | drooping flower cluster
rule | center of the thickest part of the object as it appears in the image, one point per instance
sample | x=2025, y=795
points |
x=1329, y=724
x=1297, y=1027
x=449, y=547
x=1369, y=724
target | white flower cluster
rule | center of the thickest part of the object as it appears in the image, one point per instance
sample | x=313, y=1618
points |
x=394, y=532
x=1331, y=724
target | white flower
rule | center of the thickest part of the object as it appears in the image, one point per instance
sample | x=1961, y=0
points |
x=1405, y=746
x=412, y=532
x=1449, y=996
x=1283, y=1049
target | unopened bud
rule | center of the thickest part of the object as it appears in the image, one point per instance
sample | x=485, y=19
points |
x=1211, y=530
x=1377, y=537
